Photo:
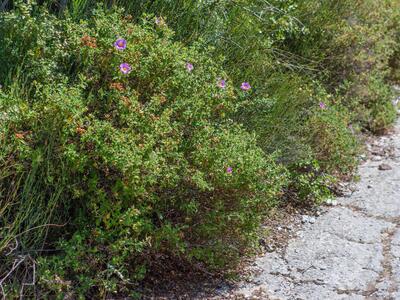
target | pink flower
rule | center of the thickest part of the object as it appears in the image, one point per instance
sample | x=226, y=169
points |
x=245, y=86
x=125, y=68
x=159, y=21
x=322, y=105
x=189, y=67
x=120, y=44
x=221, y=83
x=229, y=170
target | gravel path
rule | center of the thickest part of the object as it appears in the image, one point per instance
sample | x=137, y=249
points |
x=350, y=252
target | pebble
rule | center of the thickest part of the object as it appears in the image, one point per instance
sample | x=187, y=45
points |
x=331, y=202
x=384, y=167
x=308, y=219
x=269, y=248
x=376, y=158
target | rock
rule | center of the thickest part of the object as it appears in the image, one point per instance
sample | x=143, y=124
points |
x=269, y=248
x=376, y=158
x=384, y=167
x=331, y=202
x=308, y=219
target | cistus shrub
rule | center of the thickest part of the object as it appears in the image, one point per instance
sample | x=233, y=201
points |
x=160, y=136
x=130, y=137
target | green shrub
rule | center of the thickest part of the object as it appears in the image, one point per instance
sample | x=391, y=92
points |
x=371, y=102
x=121, y=174
x=301, y=120
x=308, y=184
x=354, y=43
x=310, y=132
x=144, y=165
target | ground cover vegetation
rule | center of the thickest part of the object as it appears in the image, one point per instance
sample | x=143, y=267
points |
x=139, y=135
